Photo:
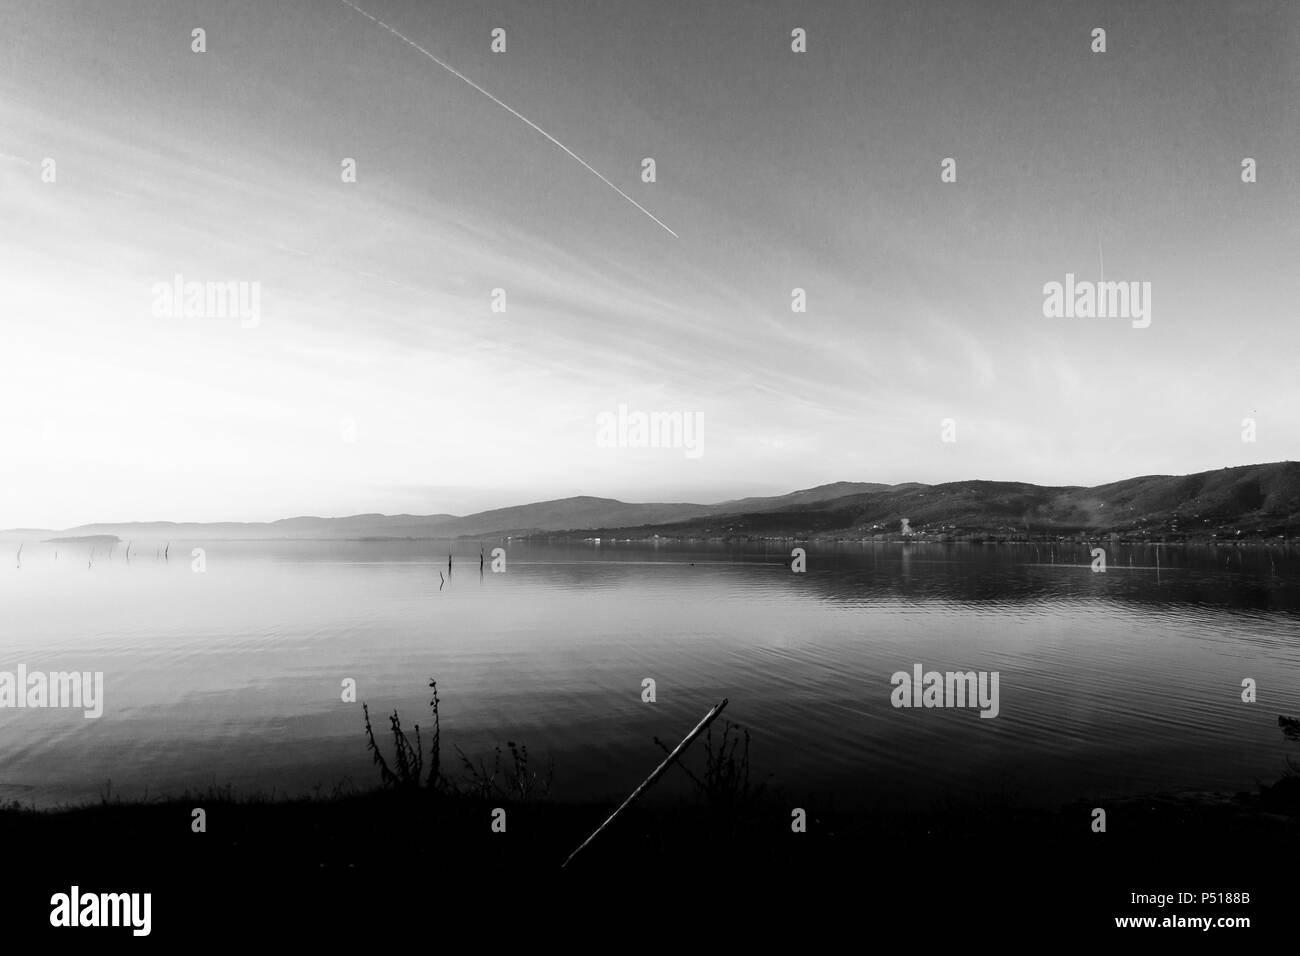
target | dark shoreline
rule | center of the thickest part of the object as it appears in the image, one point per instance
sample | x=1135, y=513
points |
x=378, y=847
x=637, y=536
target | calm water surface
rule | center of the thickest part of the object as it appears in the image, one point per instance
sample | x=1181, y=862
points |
x=1119, y=683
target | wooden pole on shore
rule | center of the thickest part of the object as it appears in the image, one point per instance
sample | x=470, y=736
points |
x=650, y=780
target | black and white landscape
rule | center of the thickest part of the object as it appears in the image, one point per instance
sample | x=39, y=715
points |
x=477, y=457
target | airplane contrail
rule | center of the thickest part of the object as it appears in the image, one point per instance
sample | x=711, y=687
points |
x=505, y=106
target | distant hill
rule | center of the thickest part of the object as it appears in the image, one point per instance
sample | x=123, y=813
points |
x=355, y=526
x=571, y=513
x=800, y=499
x=1251, y=500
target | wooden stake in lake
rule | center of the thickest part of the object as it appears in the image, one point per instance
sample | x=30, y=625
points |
x=650, y=780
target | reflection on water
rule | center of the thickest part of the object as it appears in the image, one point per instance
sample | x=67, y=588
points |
x=1116, y=683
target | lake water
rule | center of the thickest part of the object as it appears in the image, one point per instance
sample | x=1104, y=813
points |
x=1119, y=683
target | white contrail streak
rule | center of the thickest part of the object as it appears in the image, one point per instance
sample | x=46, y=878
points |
x=456, y=73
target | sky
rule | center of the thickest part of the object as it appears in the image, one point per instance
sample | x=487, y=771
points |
x=378, y=378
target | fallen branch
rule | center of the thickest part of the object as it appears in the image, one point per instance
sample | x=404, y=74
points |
x=650, y=780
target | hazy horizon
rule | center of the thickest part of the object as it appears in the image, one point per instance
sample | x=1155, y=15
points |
x=544, y=499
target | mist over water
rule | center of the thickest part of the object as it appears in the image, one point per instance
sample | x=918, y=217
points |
x=1120, y=683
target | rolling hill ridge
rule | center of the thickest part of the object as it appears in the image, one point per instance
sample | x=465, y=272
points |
x=1246, y=501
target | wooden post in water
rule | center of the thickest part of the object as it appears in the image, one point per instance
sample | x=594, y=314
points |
x=650, y=780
